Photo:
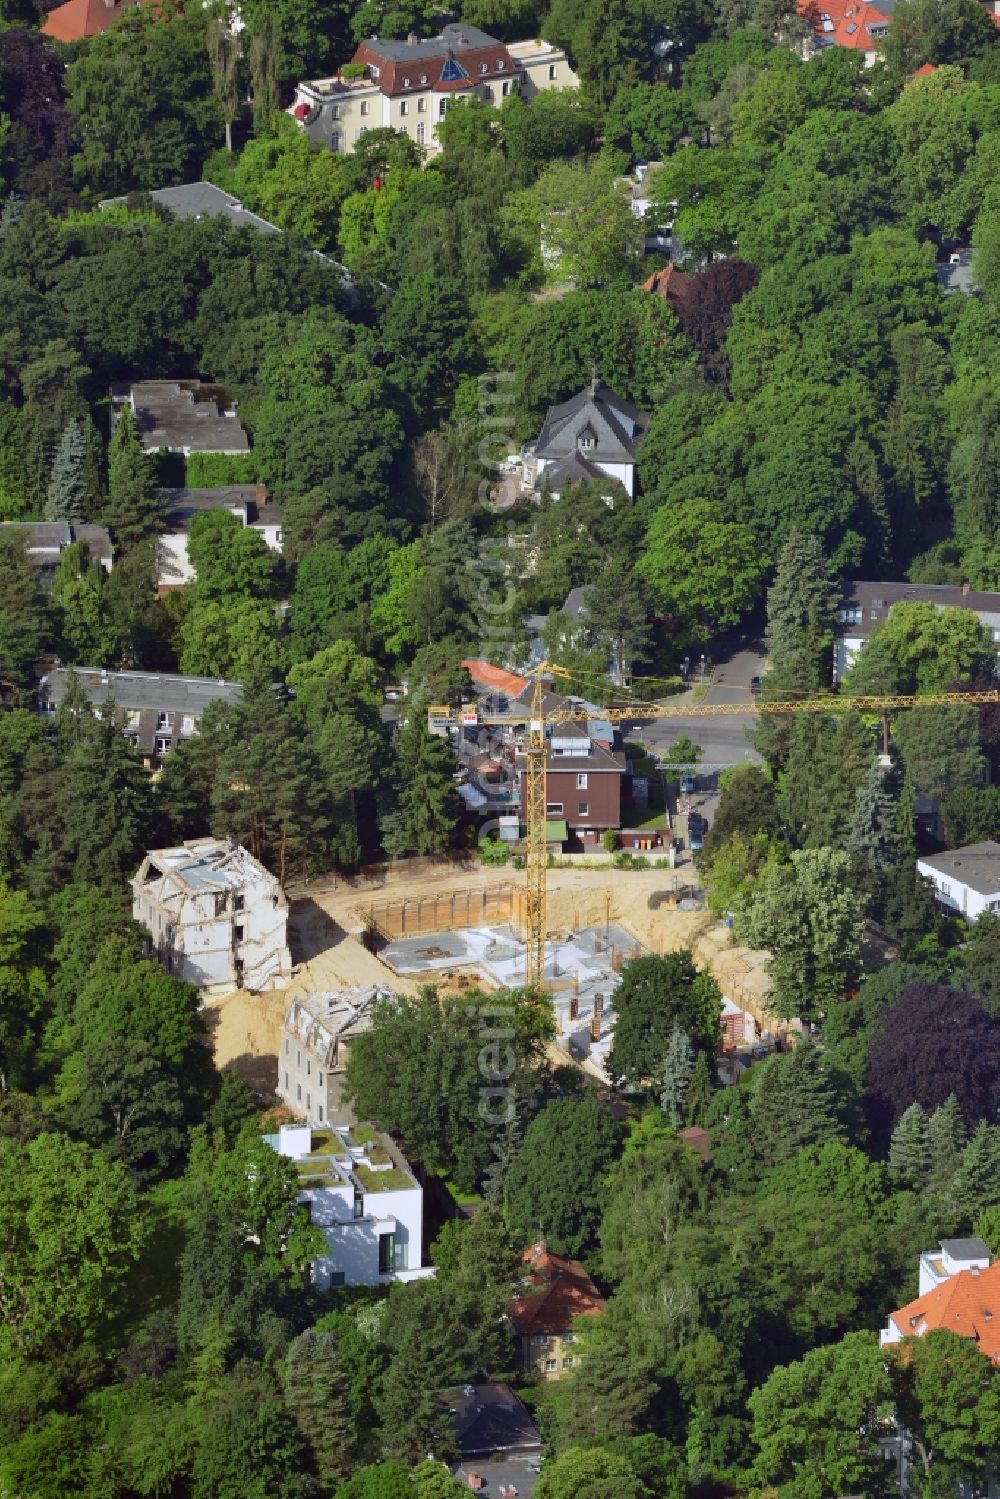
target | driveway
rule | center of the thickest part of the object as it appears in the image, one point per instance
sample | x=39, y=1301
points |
x=723, y=740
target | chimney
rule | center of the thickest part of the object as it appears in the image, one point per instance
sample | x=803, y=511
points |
x=596, y=1017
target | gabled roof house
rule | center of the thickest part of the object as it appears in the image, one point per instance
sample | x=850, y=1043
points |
x=595, y=434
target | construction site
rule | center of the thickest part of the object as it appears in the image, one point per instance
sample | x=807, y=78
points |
x=463, y=928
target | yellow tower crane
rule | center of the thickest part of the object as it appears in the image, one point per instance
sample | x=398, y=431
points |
x=537, y=720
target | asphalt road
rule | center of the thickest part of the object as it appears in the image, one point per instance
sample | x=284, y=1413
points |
x=723, y=740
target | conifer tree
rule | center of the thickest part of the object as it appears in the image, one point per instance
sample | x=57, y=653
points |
x=945, y=1139
x=801, y=609
x=793, y=1105
x=909, y=1154
x=678, y=1066
x=976, y=1185
x=93, y=471
x=428, y=801
x=65, y=495
x=873, y=836
x=317, y=1396
x=134, y=510
x=504, y=1147
x=700, y=1089
x=906, y=820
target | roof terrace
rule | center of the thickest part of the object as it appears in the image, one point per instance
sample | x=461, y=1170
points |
x=343, y=1156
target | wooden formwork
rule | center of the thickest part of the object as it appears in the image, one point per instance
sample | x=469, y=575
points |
x=445, y=911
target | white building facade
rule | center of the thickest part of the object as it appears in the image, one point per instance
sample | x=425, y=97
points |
x=966, y=880
x=410, y=85
x=215, y=916
x=366, y=1200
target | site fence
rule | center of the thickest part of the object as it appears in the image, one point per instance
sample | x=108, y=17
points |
x=443, y=911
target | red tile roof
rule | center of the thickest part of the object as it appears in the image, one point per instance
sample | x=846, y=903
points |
x=924, y=72
x=844, y=23
x=967, y=1304
x=494, y=678
x=670, y=283
x=561, y=1290
x=78, y=19
x=452, y=70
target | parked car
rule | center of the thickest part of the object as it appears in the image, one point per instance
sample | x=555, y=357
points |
x=697, y=828
x=687, y=784
x=755, y=685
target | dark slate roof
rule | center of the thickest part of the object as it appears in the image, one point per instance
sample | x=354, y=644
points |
x=184, y=504
x=489, y=1418
x=456, y=37
x=573, y=468
x=977, y=866
x=876, y=599
x=184, y=414
x=576, y=603
x=618, y=427
x=203, y=200
x=45, y=540
x=162, y=691
x=966, y=1249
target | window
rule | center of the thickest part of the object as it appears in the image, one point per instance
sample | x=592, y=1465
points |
x=583, y=809
x=163, y=720
x=423, y=80
x=321, y=1113
x=569, y=1337
x=569, y=1362
x=505, y=90
x=161, y=746
x=544, y=1340
x=337, y=1278
x=364, y=106
x=298, y=1091
x=359, y=1203
x=487, y=92
x=334, y=146
x=421, y=106
x=581, y=781
x=238, y=933
x=373, y=70
x=404, y=108
x=298, y=1057
x=500, y=64
x=484, y=67
x=553, y=809
x=421, y=131
x=551, y=1365
x=309, y=1102
x=308, y=1067
x=443, y=108
x=552, y=72
x=239, y=902
x=320, y=1079
x=187, y=724
x=386, y=1245
x=288, y=1046
x=286, y=1082
x=406, y=83
x=335, y=112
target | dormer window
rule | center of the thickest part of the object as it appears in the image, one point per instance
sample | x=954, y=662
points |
x=500, y=64
x=484, y=67
x=406, y=83
x=423, y=80
x=586, y=440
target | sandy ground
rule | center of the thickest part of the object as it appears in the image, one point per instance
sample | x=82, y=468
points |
x=246, y=1027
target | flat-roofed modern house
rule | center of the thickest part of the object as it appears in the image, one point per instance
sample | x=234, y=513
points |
x=315, y=1040
x=45, y=541
x=410, y=85
x=202, y=200
x=864, y=606
x=966, y=880
x=594, y=435
x=182, y=416
x=366, y=1200
x=215, y=916
x=156, y=710
x=248, y=502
